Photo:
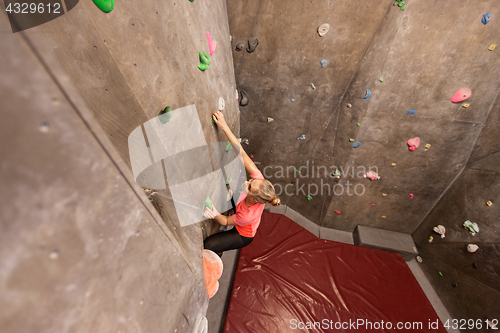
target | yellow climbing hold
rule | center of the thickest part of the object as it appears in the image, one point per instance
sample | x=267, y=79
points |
x=384, y=194
x=428, y=145
x=383, y=216
x=431, y=239
x=492, y=47
x=489, y=203
x=393, y=164
x=465, y=105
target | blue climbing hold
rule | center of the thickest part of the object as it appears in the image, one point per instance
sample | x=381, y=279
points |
x=292, y=100
x=411, y=112
x=368, y=94
x=486, y=18
x=356, y=145
x=323, y=63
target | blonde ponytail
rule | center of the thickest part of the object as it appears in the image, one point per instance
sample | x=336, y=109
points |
x=267, y=194
x=275, y=201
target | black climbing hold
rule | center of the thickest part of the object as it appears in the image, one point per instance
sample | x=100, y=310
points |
x=240, y=46
x=474, y=264
x=252, y=44
x=454, y=285
x=243, y=98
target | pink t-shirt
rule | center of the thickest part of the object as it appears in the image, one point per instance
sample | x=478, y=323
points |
x=247, y=218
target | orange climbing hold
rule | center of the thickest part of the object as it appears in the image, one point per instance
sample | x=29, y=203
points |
x=212, y=267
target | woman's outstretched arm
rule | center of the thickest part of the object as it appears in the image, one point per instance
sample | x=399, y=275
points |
x=250, y=166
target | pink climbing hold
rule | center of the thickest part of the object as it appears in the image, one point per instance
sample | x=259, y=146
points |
x=242, y=177
x=233, y=182
x=413, y=143
x=237, y=95
x=212, y=45
x=337, y=212
x=461, y=95
x=372, y=175
x=372, y=205
x=251, y=156
x=411, y=195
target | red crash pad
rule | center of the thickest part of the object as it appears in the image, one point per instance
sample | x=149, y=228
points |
x=288, y=280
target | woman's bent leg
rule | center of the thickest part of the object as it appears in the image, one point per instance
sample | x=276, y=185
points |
x=225, y=241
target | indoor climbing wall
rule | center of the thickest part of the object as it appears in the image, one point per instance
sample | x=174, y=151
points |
x=78, y=234
x=355, y=95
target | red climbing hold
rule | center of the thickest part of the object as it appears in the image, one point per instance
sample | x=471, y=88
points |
x=212, y=45
x=413, y=143
x=461, y=95
x=337, y=212
x=372, y=205
x=372, y=175
x=411, y=195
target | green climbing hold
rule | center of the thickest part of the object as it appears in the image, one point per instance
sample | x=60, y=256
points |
x=358, y=124
x=207, y=56
x=191, y=0
x=229, y=180
x=312, y=86
x=208, y=203
x=440, y=273
x=203, y=59
x=401, y=4
x=381, y=79
x=296, y=170
x=165, y=115
x=351, y=140
x=204, y=67
x=105, y=5
x=228, y=146
x=309, y=198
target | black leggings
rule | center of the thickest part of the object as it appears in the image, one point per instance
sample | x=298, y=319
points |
x=226, y=240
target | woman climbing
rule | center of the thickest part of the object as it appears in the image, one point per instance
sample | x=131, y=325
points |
x=256, y=193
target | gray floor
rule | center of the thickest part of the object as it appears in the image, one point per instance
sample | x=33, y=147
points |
x=217, y=305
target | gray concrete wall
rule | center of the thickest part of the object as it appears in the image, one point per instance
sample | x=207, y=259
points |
x=82, y=248
x=425, y=54
x=478, y=289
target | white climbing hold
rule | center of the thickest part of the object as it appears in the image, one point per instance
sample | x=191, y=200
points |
x=302, y=137
x=472, y=227
x=349, y=105
x=419, y=258
x=472, y=248
x=229, y=195
x=222, y=103
x=323, y=29
x=269, y=119
x=440, y=230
